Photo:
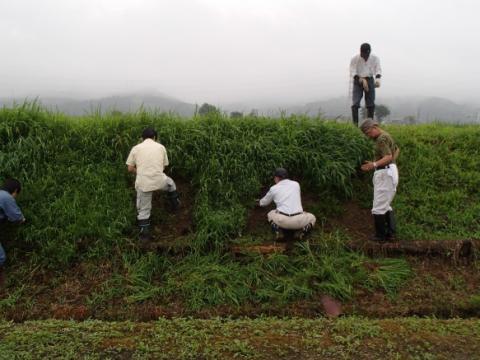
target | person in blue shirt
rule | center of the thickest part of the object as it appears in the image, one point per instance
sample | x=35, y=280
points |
x=9, y=211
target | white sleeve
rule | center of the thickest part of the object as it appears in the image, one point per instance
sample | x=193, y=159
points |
x=165, y=158
x=131, y=158
x=353, y=67
x=267, y=199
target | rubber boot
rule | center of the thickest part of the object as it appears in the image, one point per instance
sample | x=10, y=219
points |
x=391, y=225
x=306, y=230
x=275, y=230
x=173, y=200
x=355, y=115
x=2, y=277
x=370, y=111
x=144, y=235
x=379, y=228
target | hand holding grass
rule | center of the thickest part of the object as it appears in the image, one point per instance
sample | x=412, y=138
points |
x=367, y=166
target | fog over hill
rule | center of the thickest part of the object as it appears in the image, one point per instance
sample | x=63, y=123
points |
x=122, y=103
x=422, y=109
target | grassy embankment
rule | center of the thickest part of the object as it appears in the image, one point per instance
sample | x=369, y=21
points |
x=78, y=200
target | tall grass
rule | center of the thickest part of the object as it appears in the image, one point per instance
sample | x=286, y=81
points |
x=77, y=194
x=79, y=201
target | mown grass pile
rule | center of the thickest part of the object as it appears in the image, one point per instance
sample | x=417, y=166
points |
x=79, y=200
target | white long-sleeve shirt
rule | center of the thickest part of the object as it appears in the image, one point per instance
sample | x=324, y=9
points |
x=286, y=195
x=362, y=68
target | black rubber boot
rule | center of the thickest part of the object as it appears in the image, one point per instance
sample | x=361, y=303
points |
x=391, y=225
x=275, y=230
x=379, y=228
x=144, y=234
x=355, y=115
x=370, y=111
x=306, y=230
x=173, y=200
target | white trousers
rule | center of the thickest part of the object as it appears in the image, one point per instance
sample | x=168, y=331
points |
x=144, y=199
x=385, y=183
x=296, y=222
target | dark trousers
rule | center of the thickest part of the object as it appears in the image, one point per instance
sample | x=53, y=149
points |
x=3, y=256
x=357, y=95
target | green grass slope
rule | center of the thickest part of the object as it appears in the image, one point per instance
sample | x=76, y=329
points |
x=78, y=200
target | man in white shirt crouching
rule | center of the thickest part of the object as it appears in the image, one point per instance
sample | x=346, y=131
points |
x=289, y=214
x=148, y=160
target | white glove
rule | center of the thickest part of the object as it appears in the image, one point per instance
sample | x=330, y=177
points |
x=377, y=82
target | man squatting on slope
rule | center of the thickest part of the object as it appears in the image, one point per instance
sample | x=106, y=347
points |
x=289, y=214
x=366, y=72
x=148, y=160
x=385, y=179
x=9, y=211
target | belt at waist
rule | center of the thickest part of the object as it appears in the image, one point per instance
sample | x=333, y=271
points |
x=289, y=215
x=383, y=167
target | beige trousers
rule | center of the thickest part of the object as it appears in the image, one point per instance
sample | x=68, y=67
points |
x=385, y=183
x=296, y=222
x=144, y=199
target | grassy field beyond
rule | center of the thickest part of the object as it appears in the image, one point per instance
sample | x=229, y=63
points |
x=263, y=338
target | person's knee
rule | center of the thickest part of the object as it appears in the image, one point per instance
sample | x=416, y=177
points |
x=273, y=220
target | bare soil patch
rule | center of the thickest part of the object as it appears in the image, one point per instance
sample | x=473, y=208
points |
x=437, y=288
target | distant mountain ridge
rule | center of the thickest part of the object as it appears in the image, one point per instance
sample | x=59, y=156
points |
x=123, y=103
x=422, y=109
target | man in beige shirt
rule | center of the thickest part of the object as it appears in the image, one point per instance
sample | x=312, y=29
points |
x=148, y=160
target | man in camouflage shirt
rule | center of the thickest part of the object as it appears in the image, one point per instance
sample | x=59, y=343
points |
x=385, y=179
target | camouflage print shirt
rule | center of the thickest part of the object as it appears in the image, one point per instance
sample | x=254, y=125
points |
x=384, y=145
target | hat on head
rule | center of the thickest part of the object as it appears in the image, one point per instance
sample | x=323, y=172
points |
x=281, y=173
x=368, y=124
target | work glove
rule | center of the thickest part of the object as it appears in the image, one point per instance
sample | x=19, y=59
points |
x=364, y=83
x=377, y=83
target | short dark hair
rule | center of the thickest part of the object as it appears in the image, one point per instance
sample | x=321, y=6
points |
x=149, y=133
x=12, y=185
x=365, y=48
x=281, y=173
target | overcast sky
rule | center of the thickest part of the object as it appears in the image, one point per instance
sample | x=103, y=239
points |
x=236, y=50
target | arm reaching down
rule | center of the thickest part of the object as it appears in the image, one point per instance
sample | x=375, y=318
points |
x=267, y=199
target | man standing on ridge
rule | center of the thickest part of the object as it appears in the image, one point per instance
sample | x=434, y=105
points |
x=148, y=160
x=9, y=211
x=365, y=71
x=289, y=214
x=385, y=179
